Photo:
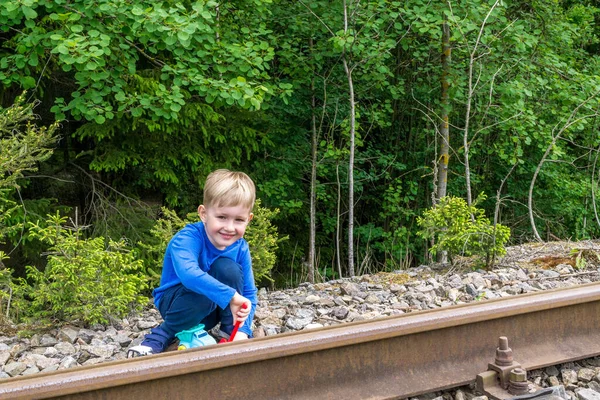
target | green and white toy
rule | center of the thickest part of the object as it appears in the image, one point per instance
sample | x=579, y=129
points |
x=194, y=337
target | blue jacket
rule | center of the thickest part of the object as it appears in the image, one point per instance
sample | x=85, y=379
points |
x=187, y=260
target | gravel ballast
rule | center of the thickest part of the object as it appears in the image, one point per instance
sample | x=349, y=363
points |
x=525, y=269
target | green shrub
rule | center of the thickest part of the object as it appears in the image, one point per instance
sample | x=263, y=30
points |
x=464, y=230
x=84, y=279
x=23, y=146
x=263, y=240
x=261, y=235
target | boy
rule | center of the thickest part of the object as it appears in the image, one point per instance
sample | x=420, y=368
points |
x=207, y=271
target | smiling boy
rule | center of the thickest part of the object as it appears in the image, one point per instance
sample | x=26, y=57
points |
x=207, y=270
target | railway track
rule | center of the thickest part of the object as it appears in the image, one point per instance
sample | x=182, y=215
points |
x=388, y=358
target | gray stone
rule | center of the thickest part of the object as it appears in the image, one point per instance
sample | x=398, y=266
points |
x=349, y=288
x=311, y=299
x=31, y=371
x=14, y=368
x=323, y=311
x=35, y=340
x=304, y=313
x=68, y=334
x=552, y=370
x=340, y=302
x=65, y=348
x=470, y=289
x=50, y=352
x=93, y=361
x=103, y=351
x=17, y=349
x=279, y=313
x=39, y=360
x=122, y=340
x=371, y=298
x=521, y=275
x=550, y=273
x=298, y=323
x=568, y=376
x=586, y=374
x=48, y=341
x=86, y=335
x=396, y=289
x=68, y=362
x=588, y=394
x=147, y=324
x=553, y=381
x=51, y=368
x=326, y=303
x=271, y=330
x=453, y=294
x=594, y=386
x=340, y=312
x=4, y=357
x=455, y=281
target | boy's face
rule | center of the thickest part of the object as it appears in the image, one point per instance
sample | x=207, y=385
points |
x=224, y=225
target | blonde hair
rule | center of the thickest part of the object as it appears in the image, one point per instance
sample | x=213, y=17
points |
x=224, y=188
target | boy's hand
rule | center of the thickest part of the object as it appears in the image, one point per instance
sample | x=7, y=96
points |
x=239, y=314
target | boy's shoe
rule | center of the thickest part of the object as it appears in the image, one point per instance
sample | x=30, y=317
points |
x=139, y=350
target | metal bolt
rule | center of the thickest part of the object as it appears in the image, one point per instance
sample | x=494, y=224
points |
x=504, y=355
x=518, y=375
x=518, y=382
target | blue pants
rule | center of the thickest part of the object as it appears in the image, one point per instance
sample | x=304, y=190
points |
x=183, y=309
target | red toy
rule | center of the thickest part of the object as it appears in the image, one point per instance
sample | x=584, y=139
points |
x=235, y=329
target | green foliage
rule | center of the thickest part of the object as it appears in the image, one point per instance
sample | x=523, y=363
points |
x=261, y=235
x=8, y=209
x=152, y=251
x=23, y=145
x=158, y=94
x=106, y=47
x=461, y=229
x=6, y=289
x=84, y=279
x=263, y=240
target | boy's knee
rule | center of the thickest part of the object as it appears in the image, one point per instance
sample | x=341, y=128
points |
x=226, y=270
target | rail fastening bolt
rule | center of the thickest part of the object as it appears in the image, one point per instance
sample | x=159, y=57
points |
x=518, y=382
x=504, y=355
x=518, y=375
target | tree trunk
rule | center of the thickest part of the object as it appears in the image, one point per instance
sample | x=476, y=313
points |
x=442, y=179
x=444, y=158
x=351, y=172
x=351, y=157
x=313, y=186
x=337, y=223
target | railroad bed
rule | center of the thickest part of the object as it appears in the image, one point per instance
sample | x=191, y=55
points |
x=388, y=358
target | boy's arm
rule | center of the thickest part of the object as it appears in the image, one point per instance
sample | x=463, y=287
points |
x=185, y=249
x=249, y=289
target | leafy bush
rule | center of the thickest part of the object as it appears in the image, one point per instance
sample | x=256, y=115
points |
x=261, y=235
x=460, y=229
x=84, y=279
x=263, y=239
x=23, y=146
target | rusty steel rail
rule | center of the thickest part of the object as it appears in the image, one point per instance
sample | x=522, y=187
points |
x=389, y=358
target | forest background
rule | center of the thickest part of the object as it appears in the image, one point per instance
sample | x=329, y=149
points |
x=355, y=118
